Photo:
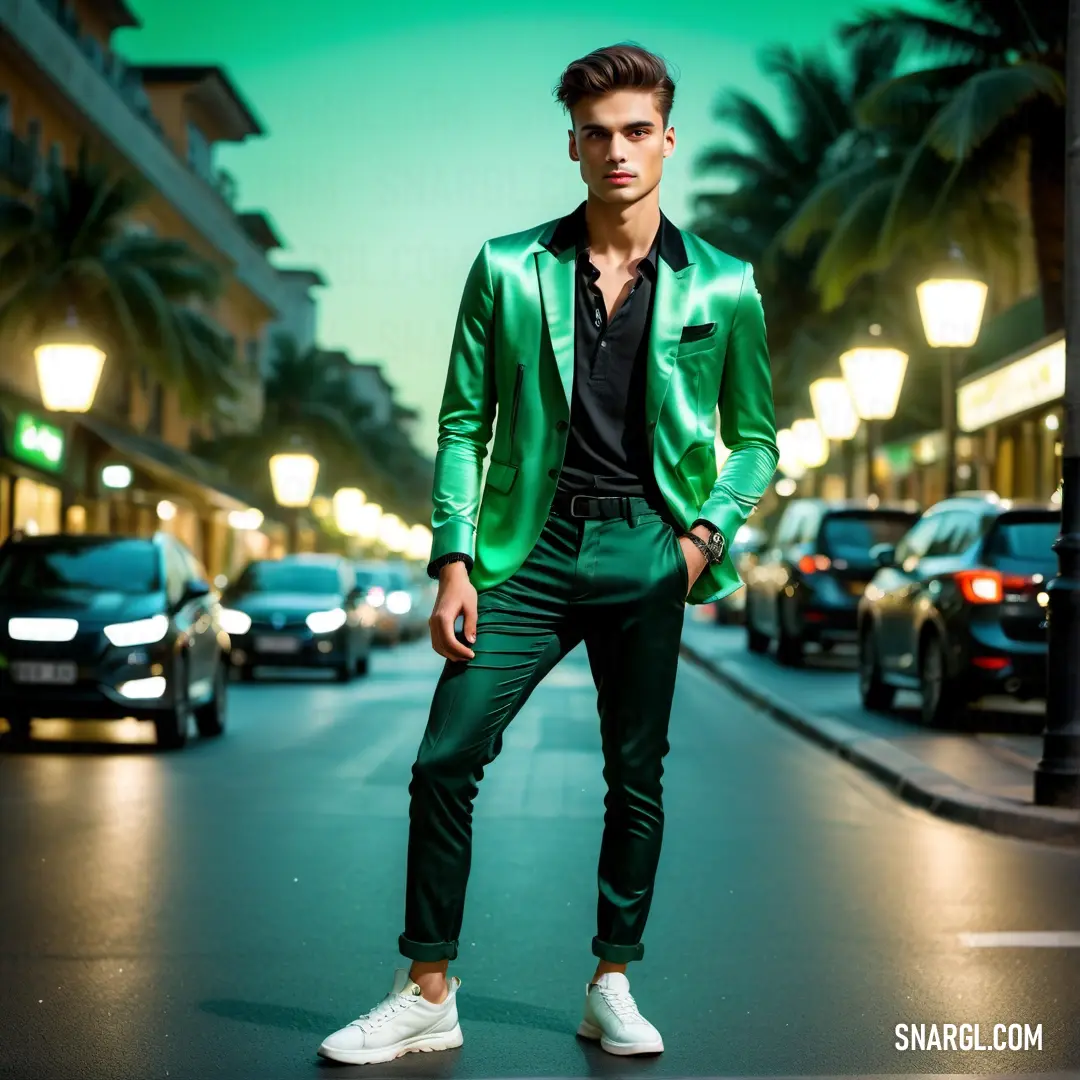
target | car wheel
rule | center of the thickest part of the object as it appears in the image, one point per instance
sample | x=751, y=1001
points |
x=789, y=646
x=210, y=718
x=756, y=641
x=363, y=665
x=245, y=673
x=172, y=726
x=345, y=671
x=942, y=702
x=876, y=695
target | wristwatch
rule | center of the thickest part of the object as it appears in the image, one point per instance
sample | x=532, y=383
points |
x=713, y=548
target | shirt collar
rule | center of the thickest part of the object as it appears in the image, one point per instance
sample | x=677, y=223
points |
x=573, y=232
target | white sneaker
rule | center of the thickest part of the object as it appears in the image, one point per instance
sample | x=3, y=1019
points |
x=403, y=1022
x=612, y=1016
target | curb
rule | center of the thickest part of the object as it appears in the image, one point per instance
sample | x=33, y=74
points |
x=903, y=774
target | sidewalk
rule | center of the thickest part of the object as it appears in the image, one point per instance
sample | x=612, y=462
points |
x=982, y=776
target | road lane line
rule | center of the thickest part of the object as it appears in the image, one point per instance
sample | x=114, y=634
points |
x=1023, y=939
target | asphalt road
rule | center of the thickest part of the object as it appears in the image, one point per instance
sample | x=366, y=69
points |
x=216, y=912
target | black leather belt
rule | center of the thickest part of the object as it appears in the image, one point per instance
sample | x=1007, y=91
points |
x=599, y=506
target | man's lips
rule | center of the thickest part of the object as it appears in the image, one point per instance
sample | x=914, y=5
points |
x=620, y=176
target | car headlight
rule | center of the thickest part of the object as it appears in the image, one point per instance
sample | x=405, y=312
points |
x=139, y=632
x=398, y=602
x=325, y=622
x=234, y=622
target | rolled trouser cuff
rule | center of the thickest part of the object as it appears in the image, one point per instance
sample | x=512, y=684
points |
x=617, y=954
x=427, y=951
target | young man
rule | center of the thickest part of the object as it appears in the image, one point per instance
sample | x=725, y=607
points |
x=606, y=339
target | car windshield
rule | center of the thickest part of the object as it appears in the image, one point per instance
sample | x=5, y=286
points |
x=851, y=536
x=288, y=577
x=1029, y=539
x=120, y=566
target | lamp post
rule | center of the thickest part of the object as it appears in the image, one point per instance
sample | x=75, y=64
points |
x=951, y=305
x=836, y=414
x=874, y=373
x=293, y=474
x=1057, y=776
x=68, y=368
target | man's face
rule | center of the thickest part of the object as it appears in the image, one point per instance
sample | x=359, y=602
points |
x=620, y=132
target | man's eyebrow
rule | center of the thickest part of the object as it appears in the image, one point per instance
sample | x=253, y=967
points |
x=626, y=127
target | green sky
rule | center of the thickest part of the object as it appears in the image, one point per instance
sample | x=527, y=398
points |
x=400, y=138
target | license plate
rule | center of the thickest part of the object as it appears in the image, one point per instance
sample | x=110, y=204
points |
x=45, y=672
x=277, y=645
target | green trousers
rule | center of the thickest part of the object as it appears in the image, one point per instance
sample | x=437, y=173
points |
x=620, y=586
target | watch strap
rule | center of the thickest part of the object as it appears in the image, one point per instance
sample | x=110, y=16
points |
x=700, y=545
x=714, y=546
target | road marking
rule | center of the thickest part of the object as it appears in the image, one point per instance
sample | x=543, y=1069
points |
x=1023, y=939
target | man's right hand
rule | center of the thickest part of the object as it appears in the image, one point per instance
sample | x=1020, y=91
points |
x=456, y=596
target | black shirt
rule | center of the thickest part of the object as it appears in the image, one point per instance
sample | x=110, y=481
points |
x=607, y=449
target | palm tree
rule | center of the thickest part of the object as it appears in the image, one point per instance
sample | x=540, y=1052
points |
x=72, y=250
x=947, y=135
x=772, y=168
x=305, y=396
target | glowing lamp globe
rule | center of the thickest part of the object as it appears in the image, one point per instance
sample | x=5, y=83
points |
x=347, y=506
x=812, y=444
x=68, y=375
x=834, y=409
x=293, y=476
x=874, y=375
x=368, y=521
x=791, y=463
x=951, y=310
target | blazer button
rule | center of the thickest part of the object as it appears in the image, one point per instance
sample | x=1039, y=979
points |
x=553, y=473
x=562, y=425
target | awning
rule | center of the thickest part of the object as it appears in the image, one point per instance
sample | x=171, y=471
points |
x=169, y=465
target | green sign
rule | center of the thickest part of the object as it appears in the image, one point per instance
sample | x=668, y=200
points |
x=38, y=443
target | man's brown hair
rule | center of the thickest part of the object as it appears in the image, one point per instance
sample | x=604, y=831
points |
x=617, y=67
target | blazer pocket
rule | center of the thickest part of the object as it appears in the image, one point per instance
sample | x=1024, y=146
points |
x=697, y=332
x=501, y=476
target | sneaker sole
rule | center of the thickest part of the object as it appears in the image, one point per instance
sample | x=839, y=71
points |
x=591, y=1031
x=423, y=1044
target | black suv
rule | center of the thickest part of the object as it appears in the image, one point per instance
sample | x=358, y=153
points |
x=807, y=583
x=958, y=609
x=104, y=627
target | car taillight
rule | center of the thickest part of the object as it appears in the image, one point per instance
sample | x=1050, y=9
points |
x=810, y=564
x=990, y=586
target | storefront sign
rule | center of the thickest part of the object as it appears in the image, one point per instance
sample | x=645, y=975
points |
x=1024, y=384
x=37, y=443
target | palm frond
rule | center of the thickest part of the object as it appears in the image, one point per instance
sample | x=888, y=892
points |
x=985, y=101
x=910, y=101
x=907, y=32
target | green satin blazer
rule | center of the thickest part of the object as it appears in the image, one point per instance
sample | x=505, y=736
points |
x=510, y=372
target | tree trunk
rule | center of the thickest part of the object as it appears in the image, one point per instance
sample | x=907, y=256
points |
x=1047, y=186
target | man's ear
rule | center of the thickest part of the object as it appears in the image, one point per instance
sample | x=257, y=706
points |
x=573, y=145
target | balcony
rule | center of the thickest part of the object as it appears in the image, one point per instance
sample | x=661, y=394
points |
x=16, y=160
x=112, y=98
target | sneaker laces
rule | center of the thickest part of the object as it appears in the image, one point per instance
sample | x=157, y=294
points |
x=621, y=1003
x=389, y=1006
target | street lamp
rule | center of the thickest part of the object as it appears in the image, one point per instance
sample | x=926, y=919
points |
x=951, y=304
x=835, y=412
x=419, y=543
x=348, y=503
x=790, y=463
x=1057, y=776
x=874, y=373
x=68, y=369
x=293, y=474
x=834, y=409
x=811, y=441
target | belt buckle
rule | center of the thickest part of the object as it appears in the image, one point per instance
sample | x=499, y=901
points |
x=573, y=500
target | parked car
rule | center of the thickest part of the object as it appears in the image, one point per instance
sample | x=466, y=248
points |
x=806, y=586
x=103, y=628
x=298, y=611
x=957, y=609
x=746, y=548
x=399, y=601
